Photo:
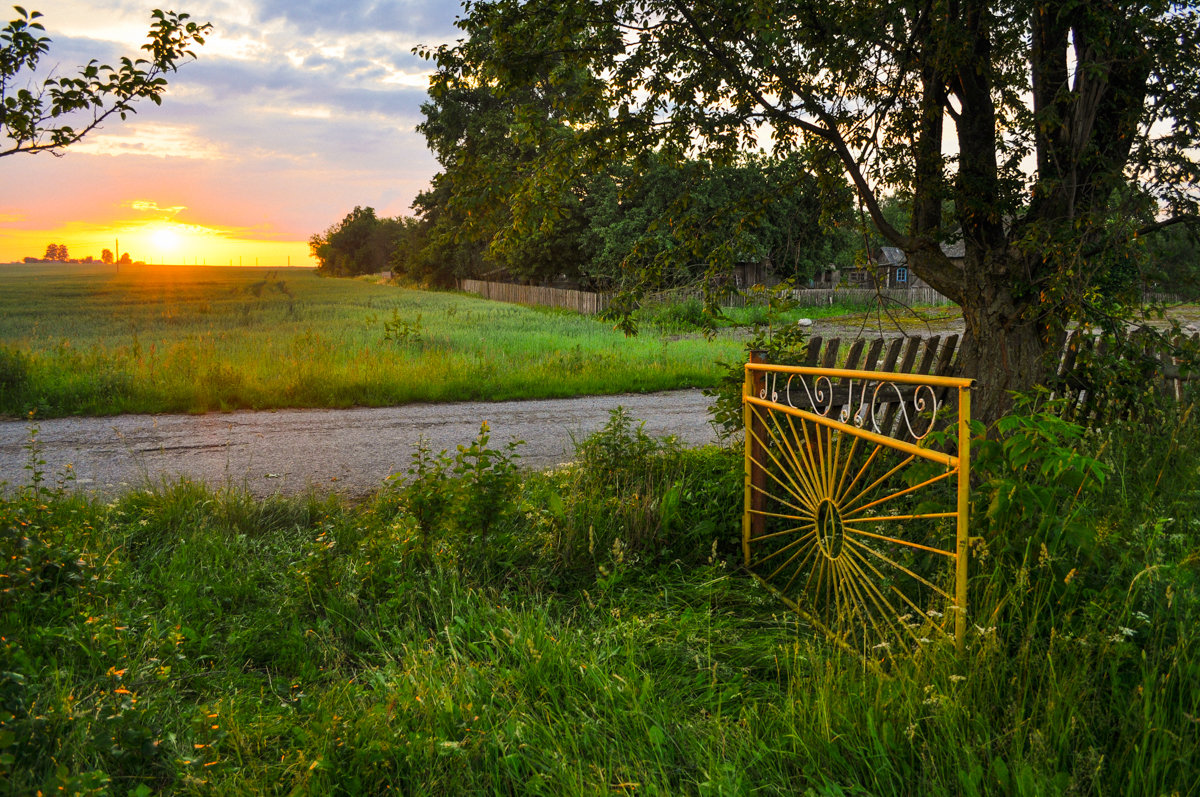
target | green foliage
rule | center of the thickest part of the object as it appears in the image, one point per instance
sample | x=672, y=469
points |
x=404, y=331
x=14, y=376
x=54, y=114
x=515, y=197
x=779, y=343
x=180, y=641
x=459, y=500
x=1033, y=477
x=681, y=223
x=361, y=243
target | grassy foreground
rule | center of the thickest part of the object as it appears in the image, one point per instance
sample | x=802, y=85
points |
x=78, y=339
x=475, y=630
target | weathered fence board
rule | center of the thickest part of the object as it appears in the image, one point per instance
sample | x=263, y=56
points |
x=579, y=301
x=934, y=356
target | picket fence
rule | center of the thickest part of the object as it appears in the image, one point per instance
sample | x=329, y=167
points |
x=580, y=301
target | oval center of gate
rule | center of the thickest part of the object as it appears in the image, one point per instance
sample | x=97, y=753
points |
x=830, y=534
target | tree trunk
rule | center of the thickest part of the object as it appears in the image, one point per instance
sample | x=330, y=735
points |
x=1005, y=346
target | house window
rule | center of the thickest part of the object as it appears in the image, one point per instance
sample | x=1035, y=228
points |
x=901, y=274
x=858, y=275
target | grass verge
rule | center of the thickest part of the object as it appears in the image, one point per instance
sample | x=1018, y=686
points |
x=476, y=630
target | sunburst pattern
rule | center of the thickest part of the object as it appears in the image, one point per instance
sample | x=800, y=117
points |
x=821, y=503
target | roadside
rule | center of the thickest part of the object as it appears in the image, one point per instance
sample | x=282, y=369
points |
x=291, y=451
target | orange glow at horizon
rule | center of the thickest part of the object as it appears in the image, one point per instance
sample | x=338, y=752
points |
x=158, y=241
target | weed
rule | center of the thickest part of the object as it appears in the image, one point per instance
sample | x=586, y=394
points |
x=403, y=331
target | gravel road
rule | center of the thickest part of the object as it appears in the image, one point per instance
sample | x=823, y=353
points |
x=344, y=451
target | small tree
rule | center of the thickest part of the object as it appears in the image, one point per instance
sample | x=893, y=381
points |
x=125, y=259
x=106, y=256
x=361, y=243
x=51, y=252
x=38, y=119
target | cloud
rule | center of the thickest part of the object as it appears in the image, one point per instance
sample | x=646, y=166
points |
x=294, y=112
x=152, y=207
x=151, y=140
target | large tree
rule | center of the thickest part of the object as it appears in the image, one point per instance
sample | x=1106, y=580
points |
x=486, y=211
x=1040, y=124
x=48, y=114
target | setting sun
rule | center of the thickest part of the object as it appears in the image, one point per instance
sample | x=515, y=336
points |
x=161, y=241
x=165, y=240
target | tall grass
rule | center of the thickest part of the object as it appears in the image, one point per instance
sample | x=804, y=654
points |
x=474, y=630
x=93, y=340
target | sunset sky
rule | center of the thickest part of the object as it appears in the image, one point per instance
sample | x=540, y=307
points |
x=294, y=112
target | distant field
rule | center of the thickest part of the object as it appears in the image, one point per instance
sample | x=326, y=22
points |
x=94, y=340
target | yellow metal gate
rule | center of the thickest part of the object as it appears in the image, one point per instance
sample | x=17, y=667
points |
x=855, y=514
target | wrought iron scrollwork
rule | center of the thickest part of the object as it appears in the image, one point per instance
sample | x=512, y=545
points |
x=865, y=404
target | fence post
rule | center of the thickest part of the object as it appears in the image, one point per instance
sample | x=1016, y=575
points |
x=755, y=478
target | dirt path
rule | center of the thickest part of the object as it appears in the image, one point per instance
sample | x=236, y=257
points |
x=347, y=451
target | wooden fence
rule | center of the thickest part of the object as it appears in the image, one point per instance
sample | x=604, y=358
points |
x=579, y=301
x=1072, y=379
x=867, y=297
x=593, y=303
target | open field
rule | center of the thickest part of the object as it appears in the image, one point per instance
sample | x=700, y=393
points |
x=588, y=631
x=91, y=340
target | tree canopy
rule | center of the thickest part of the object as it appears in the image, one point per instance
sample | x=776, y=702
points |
x=50, y=115
x=519, y=194
x=1045, y=136
x=361, y=243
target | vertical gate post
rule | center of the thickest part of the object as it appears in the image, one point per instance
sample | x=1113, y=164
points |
x=962, y=539
x=755, y=477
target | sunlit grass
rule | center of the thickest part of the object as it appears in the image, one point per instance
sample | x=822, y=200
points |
x=95, y=340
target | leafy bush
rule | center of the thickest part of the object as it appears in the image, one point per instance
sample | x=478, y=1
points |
x=469, y=500
x=783, y=345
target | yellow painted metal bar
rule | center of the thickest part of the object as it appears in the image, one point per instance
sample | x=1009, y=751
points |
x=900, y=445
x=898, y=541
x=962, y=541
x=882, y=518
x=901, y=568
x=890, y=496
x=799, y=490
x=874, y=376
x=747, y=417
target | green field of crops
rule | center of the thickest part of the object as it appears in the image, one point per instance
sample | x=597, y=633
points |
x=83, y=339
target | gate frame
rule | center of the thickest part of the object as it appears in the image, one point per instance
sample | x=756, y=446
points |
x=754, y=394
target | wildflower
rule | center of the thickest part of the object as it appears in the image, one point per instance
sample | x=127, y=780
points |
x=1069, y=576
x=934, y=613
x=957, y=678
x=882, y=645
